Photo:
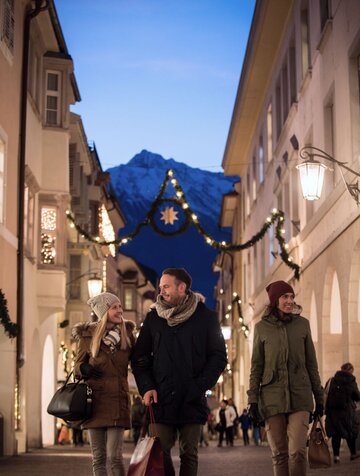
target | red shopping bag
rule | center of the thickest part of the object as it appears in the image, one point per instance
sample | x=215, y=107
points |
x=148, y=458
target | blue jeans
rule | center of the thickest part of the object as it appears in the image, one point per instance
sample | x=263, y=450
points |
x=189, y=436
x=107, y=443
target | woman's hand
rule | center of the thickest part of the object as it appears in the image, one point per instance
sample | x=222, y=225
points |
x=150, y=397
x=89, y=371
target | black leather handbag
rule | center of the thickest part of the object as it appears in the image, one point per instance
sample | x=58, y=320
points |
x=72, y=401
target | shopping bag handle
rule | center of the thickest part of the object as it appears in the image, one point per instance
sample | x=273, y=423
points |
x=149, y=417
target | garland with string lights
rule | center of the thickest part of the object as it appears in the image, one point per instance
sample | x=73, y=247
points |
x=236, y=300
x=11, y=328
x=277, y=218
x=64, y=352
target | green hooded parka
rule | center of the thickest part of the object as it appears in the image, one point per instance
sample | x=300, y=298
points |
x=284, y=372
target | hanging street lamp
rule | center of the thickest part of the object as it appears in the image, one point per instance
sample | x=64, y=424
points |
x=94, y=285
x=311, y=178
x=312, y=173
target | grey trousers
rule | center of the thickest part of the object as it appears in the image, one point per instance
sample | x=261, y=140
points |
x=189, y=437
x=107, y=444
x=287, y=437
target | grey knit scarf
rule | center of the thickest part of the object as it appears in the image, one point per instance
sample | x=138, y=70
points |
x=175, y=315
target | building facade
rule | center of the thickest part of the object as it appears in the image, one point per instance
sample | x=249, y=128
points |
x=299, y=87
x=48, y=170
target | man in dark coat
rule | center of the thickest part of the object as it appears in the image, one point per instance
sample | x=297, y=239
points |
x=340, y=409
x=180, y=353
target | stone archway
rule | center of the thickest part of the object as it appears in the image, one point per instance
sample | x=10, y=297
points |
x=33, y=389
x=333, y=340
x=47, y=391
x=354, y=308
x=314, y=319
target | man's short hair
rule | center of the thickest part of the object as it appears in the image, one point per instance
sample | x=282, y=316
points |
x=180, y=274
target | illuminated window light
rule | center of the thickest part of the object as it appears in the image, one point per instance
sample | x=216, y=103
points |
x=107, y=230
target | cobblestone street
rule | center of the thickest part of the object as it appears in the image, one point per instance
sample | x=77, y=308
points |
x=226, y=461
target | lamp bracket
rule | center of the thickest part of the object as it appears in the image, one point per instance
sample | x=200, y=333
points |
x=308, y=153
x=354, y=191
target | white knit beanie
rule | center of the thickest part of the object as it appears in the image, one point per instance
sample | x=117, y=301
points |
x=101, y=303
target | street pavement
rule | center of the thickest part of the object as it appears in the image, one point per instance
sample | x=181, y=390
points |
x=239, y=460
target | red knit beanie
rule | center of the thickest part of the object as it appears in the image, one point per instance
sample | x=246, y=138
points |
x=277, y=289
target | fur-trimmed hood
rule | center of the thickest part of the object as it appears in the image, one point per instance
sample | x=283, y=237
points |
x=87, y=329
x=297, y=310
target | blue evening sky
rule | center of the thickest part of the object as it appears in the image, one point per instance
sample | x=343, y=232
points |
x=160, y=75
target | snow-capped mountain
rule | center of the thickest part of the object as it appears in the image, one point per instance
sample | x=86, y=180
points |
x=137, y=184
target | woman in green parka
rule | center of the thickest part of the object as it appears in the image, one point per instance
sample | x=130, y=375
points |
x=284, y=380
x=102, y=359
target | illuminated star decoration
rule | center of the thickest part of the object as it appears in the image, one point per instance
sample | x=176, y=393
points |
x=169, y=215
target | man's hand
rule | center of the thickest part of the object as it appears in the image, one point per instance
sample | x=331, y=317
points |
x=254, y=413
x=150, y=397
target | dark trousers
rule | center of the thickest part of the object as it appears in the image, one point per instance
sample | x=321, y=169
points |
x=245, y=436
x=336, y=441
x=189, y=436
x=229, y=432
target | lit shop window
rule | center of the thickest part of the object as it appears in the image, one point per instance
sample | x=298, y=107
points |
x=106, y=228
x=128, y=299
x=48, y=234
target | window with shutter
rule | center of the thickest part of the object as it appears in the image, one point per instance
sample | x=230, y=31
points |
x=53, y=98
x=74, y=171
x=29, y=206
x=75, y=272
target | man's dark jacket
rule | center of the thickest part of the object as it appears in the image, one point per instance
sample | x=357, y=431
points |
x=180, y=363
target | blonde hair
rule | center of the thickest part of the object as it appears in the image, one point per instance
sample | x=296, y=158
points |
x=125, y=342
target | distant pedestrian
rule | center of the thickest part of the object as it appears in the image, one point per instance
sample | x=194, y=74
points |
x=64, y=436
x=137, y=417
x=284, y=378
x=256, y=433
x=236, y=419
x=77, y=433
x=245, y=423
x=204, y=435
x=340, y=409
x=225, y=423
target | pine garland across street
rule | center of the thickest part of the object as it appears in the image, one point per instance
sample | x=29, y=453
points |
x=11, y=328
x=277, y=219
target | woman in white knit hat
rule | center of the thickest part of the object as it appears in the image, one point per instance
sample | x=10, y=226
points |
x=102, y=359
